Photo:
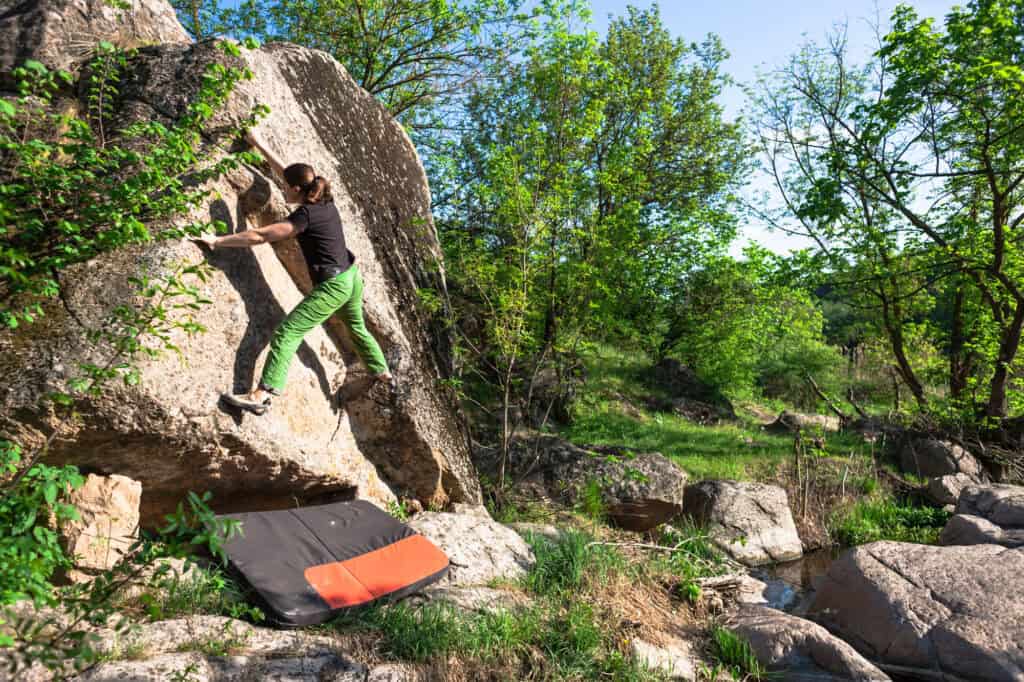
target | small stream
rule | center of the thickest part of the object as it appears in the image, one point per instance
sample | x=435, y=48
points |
x=791, y=585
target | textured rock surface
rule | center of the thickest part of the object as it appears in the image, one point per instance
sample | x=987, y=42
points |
x=638, y=490
x=800, y=649
x=107, y=524
x=964, y=529
x=480, y=599
x=674, y=658
x=949, y=610
x=929, y=457
x=479, y=548
x=750, y=521
x=791, y=422
x=60, y=33
x=543, y=530
x=987, y=514
x=943, y=490
x=170, y=433
x=1001, y=504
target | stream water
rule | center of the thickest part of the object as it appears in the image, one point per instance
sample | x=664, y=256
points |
x=791, y=585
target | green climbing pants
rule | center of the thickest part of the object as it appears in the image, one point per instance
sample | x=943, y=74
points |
x=342, y=293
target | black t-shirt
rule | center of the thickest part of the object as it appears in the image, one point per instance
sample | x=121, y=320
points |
x=322, y=240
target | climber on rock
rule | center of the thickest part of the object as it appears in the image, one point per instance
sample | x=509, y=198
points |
x=338, y=286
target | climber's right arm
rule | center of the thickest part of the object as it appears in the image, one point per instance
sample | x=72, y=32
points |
x=275, y=163
x=267, y=234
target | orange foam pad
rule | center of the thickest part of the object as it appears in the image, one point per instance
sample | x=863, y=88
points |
x=372, y=575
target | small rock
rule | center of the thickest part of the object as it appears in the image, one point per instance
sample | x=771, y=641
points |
x=674, y=657
x=801, y=649
x=750, y=521
x=395, y=672
x=108, y=520
x=480, y=549
x=945, y=490
x=479, y=599
x=542, y=530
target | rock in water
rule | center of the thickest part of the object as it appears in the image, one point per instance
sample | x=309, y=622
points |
x=750, y=521
x=800, y=649
x=951, y=610
x=169, y=432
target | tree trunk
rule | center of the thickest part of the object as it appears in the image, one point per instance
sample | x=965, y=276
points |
x=959, y=362
x=997, y=404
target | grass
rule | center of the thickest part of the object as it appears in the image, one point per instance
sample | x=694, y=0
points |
x=739, y=451
x=198, y=591
x=887, y=519
x=736, y=656
x=583, y=591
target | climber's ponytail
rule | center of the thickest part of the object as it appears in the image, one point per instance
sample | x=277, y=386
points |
x=314, y=187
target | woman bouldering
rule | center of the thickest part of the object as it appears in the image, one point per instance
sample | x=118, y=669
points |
x=338, y=286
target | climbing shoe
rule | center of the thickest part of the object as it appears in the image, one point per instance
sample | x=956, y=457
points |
x=244, y=401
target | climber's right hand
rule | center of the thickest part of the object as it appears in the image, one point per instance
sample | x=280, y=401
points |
x=207, y=239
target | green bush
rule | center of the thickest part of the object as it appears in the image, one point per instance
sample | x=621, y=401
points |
x=562, y=566
x=30, y=553
x=873, y=520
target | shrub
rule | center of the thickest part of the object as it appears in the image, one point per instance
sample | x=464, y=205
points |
x=873, y=520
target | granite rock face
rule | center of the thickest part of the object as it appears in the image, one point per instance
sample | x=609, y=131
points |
x=62, y=33
x=930, y=457
x=955, y=611
x=333, y=435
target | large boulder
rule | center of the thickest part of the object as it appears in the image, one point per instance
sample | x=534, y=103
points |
x=953, y=611
x=750, y=521
x=987, y=514
x=170, y=433
x=106, y=524
x=481, y=550
x=800, y=649
x=61, y=33
x=638, y=490
x=928, y=457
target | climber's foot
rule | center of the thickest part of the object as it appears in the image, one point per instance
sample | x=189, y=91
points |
x=257, y=402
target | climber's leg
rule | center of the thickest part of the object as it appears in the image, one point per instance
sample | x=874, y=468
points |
x=322, y=302
x=312, y=311
x=367, y=346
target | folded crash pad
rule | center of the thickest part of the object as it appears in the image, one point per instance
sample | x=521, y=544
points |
x=312, y=563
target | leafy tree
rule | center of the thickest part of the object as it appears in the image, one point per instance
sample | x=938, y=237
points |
x=911, y=168
x=595, y=173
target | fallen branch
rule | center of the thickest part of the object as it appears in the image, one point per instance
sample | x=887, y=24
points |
x=844, y=418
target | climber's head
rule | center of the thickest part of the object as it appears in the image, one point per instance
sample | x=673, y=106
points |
x=305, y=186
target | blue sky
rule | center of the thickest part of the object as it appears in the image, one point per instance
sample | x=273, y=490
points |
x=761, y=34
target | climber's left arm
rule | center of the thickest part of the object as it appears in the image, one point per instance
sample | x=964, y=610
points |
x=267, y=234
